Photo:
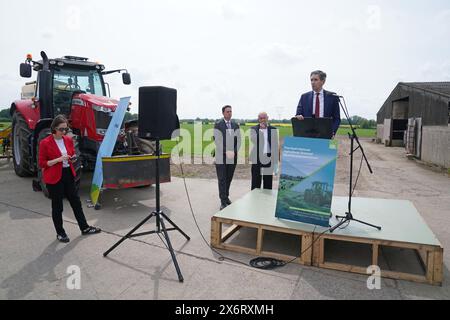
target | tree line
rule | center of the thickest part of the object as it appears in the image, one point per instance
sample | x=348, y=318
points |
x=358, y=121
x=5, y=116
x=361, y=122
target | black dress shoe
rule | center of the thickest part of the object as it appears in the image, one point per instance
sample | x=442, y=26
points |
x=229, y=202
x=63, y=238
x=91, y=230
x=223, y=206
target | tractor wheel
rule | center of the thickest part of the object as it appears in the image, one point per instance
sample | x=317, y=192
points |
x=42, y=135
x=20, y=147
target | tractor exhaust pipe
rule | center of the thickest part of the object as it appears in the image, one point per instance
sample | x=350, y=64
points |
x=45, y=62
x=45, y=89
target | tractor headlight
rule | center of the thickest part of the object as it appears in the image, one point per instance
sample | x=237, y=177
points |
x=102, y=109
x=78, y=102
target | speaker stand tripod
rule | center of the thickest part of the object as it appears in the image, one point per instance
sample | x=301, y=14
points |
x=160, y=225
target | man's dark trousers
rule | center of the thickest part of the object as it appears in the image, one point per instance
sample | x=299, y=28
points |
x=225, y=173
x=258, y=177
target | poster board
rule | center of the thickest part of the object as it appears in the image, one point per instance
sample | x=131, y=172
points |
x=307, y=180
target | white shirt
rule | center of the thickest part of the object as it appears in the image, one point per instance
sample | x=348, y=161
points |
x=266, y=140
x=322, y=103
x=229, y=126
x=227, y=122
x=62, y=148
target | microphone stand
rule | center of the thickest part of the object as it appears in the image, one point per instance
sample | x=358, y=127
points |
x=353, y=137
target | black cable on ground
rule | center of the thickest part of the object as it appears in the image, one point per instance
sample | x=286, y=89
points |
x=221, y=256
x=266, y=263
x=271, y=263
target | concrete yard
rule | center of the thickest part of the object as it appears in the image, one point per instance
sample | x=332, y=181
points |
x=33, y=265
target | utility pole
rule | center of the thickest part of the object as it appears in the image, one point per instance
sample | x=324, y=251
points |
x=280, y=111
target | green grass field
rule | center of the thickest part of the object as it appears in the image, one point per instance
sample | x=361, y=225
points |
x=283, y=130
x=362, y=133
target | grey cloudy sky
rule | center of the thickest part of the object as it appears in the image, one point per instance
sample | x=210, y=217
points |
x=253, y=54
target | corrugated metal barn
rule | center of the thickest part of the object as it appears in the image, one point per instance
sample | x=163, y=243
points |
x=417, y=116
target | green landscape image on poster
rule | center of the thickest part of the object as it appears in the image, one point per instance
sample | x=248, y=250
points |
x=307, y=180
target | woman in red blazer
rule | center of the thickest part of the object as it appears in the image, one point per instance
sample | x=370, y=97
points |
x=56, y=158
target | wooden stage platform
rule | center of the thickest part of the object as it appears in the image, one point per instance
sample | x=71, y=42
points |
x=405, y=238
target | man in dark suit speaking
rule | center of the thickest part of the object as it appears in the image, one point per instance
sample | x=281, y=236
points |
x=227, y=137
x=319, y=103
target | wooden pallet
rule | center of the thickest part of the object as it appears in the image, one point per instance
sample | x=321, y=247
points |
x=219, y=240
x=256, y=211
x=431, y=258
x=314, y=254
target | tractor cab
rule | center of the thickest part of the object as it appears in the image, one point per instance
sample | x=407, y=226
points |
x=68, y=82
x=320, y=186
x=319, y=194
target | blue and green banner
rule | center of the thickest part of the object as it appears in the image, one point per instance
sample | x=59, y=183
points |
x=307, y=180
x=107, y=147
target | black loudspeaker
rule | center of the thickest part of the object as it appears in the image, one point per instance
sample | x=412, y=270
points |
x=157, y=113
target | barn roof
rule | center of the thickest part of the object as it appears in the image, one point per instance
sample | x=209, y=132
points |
x=440, y=88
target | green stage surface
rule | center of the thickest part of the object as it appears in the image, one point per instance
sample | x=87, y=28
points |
x=399, y=219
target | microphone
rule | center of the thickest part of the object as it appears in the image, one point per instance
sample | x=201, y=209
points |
x=335, y=95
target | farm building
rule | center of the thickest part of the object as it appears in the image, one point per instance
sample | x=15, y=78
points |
x=417, y=116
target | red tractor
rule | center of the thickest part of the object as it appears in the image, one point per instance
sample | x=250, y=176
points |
x=74, y=87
